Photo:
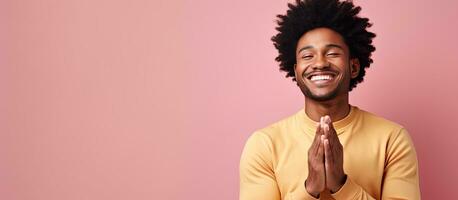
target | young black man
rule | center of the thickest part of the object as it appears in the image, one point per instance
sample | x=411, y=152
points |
x=329, y=149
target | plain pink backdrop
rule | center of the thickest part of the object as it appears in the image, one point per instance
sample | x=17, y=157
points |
x=141, y=99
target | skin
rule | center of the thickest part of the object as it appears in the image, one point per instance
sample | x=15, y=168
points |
x=323, y=51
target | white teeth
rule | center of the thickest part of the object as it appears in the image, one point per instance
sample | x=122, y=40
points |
x=321, y=77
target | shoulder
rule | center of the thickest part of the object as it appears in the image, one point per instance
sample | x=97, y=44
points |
x=380, y=124
x=395, y=133
x=281, y=131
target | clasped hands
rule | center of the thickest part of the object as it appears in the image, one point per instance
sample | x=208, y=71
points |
x=325, y=160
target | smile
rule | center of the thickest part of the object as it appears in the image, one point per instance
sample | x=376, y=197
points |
x=321, y=77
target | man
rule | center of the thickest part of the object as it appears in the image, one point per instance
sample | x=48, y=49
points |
x=329, y=149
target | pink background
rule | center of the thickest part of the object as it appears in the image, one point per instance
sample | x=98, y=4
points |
x=141, y=99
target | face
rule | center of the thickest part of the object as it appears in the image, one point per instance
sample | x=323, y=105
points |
x=323, y=67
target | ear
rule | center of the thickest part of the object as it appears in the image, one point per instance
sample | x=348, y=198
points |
x=354, y=67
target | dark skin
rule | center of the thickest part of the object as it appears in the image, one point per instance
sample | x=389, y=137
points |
x=323, y=73
x=325, y=160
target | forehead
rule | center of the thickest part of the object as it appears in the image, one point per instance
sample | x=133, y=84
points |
x=320, y=38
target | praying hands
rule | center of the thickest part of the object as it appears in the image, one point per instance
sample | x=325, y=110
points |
x=325, y=160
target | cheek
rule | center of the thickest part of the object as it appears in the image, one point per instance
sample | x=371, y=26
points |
x=344, y=66
x=299, y=70
x=302, y=65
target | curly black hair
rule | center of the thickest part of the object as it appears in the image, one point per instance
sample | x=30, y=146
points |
x=341, y=17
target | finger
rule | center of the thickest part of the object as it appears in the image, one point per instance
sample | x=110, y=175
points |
x=331, y=126
x=322, y=122
x=327, y=150
x=316, y=140
x=321, y=148
x=318, y=128
x=332, y=131
x=329, y=138
x=327, y=135
x=328, y=121
x=324, y=128
x=328, y=156
x=326, y=131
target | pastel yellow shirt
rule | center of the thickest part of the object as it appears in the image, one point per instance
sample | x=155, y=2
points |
x=379, y=159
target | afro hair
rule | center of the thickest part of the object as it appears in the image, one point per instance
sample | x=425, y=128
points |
x=340, y=16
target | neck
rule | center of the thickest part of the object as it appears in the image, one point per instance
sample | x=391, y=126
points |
x=337, y=108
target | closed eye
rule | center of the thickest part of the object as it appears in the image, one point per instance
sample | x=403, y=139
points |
x=307, y=57
x=333, y=54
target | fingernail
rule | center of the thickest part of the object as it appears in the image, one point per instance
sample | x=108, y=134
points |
x=328, y=119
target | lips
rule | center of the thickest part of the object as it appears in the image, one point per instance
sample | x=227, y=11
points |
x=321, y=78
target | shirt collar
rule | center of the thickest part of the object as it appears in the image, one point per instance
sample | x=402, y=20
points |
x=309, y=126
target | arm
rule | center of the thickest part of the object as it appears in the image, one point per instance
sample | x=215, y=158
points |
x=257, y=178
x=339, y=184
x=351, y=190
x=401, y=171
x=400, y=180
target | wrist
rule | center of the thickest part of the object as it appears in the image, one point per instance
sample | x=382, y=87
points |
x=341, y=183
x=311, y=191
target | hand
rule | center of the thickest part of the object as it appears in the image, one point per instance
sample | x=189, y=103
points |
x=316, y=180
x=333, y=154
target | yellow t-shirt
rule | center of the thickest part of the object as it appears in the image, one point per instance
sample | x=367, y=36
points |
x=379, y=159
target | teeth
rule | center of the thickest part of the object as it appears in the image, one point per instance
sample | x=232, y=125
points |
x=321, y=77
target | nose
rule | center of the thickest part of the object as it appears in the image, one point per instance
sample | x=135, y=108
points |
x=321, y=63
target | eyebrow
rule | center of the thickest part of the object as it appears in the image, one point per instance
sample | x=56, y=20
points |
x=328, y=45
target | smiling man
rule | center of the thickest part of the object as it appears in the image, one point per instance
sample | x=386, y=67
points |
x=329, y=149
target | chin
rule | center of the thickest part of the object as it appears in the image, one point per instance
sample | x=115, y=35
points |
x=320, y=96
x=323, y=97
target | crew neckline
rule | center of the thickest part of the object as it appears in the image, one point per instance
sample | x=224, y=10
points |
x=309, y=126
